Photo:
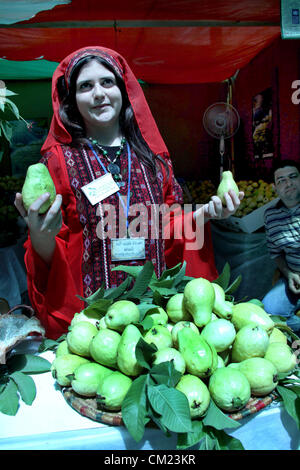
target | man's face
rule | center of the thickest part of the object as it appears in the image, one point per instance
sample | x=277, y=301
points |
x=287, y=185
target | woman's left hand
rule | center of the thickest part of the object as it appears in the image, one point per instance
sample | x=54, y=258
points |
x=214, y=209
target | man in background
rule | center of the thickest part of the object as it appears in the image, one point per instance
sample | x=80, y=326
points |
x=282, y=225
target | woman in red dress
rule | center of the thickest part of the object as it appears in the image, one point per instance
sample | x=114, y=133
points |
x=102, y=127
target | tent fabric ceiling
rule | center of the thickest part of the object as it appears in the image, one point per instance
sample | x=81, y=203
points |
x=167, y=42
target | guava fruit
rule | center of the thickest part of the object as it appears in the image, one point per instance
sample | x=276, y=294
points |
x=160, y=336
x=176, y=310
x=126, y=358
x=104, y=347
x=196, y=392
x=38, y=181
x=222, y=308
x=158, y=316
x=227, y=182
x=250, y=341
x=221, y=362
x=229, y=388
x=234, y=365
x=282, y=356
x=220, y=333
x=261, y=374
x=200, y=357
x=87, y=378
x=112, y=391
x=246, y=313
x=198, y=300
x=277, y=336
x=62, y=349
x=226, y=355
x=89, y=316
x=80, y=336
x=121, y=313
x=170, y=354
x=63, y=366
x=178, y=326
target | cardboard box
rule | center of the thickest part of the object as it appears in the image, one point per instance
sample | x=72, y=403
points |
x=250, y=222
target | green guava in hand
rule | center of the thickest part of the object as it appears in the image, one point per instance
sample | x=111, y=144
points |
x=229, y=388
x=38, y=181
x=104, y=347
x=87, y=378
x=112, y=391
x=196, y=392
x=80, y=336
x=63, y=366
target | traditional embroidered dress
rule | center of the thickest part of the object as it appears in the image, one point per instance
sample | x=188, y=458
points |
x=82, y=260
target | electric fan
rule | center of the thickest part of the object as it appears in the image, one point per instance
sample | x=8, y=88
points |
x=221, y=121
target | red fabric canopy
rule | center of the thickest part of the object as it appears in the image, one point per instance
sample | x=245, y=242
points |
x=171, y=42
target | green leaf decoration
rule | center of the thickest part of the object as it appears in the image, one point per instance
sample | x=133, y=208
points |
x=142, y=282
x=28, y=364
x=234, y=286
x=190, y=439
x=13, y=108
x=26, y=386
x=99, y=294
x=116, y=292
x=165, y=373
x=171, y=272
x=173, y=407
x=291, y=402
x=217, y=419
x=144, y=353
x=6, y=129
x=134, y=411
x=224, y=441
x=99, y=307
x=9, y=399
x=224, y=277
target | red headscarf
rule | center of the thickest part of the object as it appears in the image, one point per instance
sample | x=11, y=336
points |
x=58, y=134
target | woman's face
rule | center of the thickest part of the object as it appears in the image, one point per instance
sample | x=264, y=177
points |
x=98, y=98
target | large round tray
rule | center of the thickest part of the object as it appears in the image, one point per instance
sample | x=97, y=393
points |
x=88, y=407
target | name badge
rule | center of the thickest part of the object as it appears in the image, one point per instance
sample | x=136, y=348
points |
x=126, y=249
x=100, y=188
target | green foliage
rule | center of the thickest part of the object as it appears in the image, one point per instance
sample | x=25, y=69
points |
x=16, y=383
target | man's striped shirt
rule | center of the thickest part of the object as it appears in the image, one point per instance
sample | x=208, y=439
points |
x=282, y=227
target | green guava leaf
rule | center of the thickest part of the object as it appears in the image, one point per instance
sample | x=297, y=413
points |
x=291, y=403
x=26, y=386
x=165, y=373
x=28, y=364
x=9, y=399
x=224, y=277
x=224, y=441
x=134, y=409
x=234, y=286
x=141, y=283
x=144, y=353
x=189, y=439
x=116, y=292
x=217, y=419
x=173, y=407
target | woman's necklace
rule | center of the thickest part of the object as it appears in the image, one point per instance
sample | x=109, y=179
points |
x=112, y=167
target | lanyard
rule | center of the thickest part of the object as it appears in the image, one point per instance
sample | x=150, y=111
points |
x=126, y=209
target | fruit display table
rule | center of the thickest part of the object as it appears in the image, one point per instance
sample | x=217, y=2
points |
x=247, y=254
x=51, y=424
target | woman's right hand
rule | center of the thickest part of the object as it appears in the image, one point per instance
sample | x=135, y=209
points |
x=43, y=227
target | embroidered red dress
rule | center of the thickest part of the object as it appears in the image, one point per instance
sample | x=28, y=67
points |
x=82, y=259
